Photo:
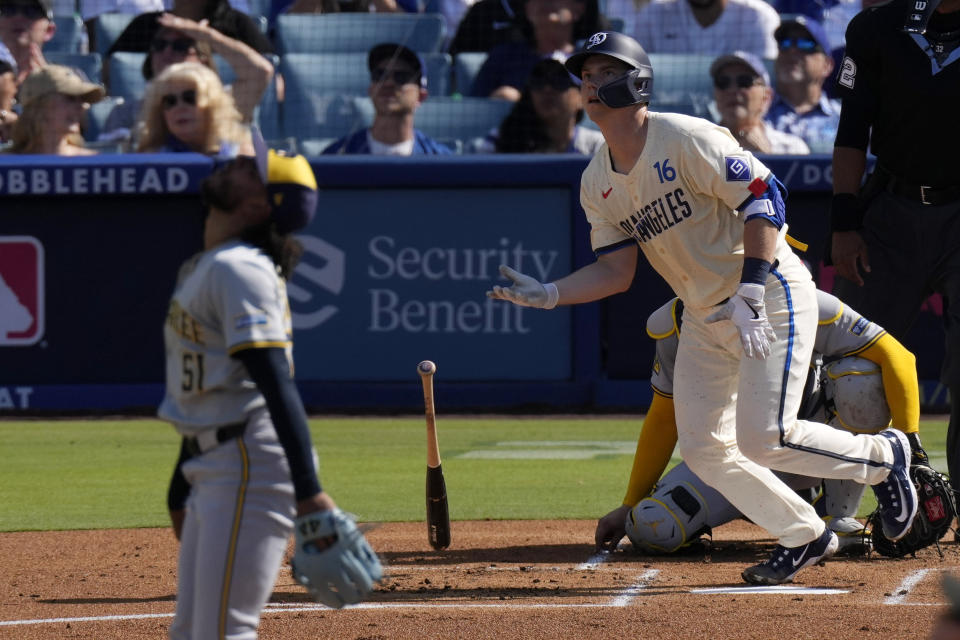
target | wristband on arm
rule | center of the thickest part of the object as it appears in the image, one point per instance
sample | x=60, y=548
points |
x=755, y=271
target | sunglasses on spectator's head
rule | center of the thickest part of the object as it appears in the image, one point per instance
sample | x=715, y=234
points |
x=803, y=44
x=170, y=100
x=179, y=45
x=741, y=80
x=29, y=11
x=556, y=81
x=399, y=76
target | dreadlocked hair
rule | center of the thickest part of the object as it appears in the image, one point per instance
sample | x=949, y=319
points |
x=283, y=248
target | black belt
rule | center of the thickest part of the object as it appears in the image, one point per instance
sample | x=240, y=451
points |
x=922, y=193
x=203, y=442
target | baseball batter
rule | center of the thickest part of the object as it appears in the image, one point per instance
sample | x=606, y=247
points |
x=246, y=467
x=675, y=512
x=710, y=218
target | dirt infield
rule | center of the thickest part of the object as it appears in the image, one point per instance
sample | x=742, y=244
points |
x=499, y=579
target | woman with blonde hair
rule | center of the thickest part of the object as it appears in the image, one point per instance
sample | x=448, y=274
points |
x=187, y=108
x=54, y=100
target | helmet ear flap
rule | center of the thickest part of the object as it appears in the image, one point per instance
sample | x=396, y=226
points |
x=633, y=87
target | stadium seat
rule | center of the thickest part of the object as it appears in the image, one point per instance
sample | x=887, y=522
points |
x=681, y=83
x=347, y=73
x=309, y=115
x=466, y=65
x=460, y=119
x=358, y=32
x=89, y=63
x=97, y=116
x=616, y=24
x=107, y=27
x=69, y=35
x=126, y=74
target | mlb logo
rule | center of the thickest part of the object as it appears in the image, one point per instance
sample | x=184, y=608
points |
x=738, y=170
x=21, y=291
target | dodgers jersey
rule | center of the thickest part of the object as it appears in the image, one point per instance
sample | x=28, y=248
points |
x=679, y=202
x=841, y=332
x=226, y=299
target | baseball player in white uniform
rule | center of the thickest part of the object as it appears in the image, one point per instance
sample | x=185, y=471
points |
x=710, y=219
x=863, y=381
x=246, y=472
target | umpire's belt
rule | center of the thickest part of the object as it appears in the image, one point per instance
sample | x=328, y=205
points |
x=922, y=193
x=206, y=440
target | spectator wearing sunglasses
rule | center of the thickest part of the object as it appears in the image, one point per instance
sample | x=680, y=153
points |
x=187, y=108
x=398, y=85
x=54, y=100
x=179, y=39
x=801, y=68
x=218, y=13
x=546, y=118
x=741, y=89
x=25, y=27
x=706, y=27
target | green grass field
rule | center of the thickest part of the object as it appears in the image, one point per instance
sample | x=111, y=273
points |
x=96, y=474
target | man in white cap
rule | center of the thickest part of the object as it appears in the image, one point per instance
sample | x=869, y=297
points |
x=741, y=89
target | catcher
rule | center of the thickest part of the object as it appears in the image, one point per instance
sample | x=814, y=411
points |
x=867, y=376
x=246, y=475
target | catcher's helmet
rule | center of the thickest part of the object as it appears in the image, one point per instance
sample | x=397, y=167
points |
x=635, y=86
x=855, y=387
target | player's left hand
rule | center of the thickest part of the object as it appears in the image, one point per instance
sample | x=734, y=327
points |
x=525, y=291
x=746, y=310
x=332, y=559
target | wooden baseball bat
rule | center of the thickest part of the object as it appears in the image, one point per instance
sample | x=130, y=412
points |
x=438, y=514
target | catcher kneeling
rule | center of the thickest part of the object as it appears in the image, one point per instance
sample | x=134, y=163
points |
x=861, y=380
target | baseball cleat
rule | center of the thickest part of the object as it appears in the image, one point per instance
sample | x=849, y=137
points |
x=787, y=561
x=896, y=496
x=853, y=536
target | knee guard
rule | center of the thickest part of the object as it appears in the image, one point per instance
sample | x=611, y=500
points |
x=840, y=499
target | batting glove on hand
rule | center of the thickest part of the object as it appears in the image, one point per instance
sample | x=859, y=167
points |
x=332, y=559
x=525, y=291
x=746, y=310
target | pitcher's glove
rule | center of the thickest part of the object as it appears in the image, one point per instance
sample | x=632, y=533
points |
x=936, y=510
x=332, y=559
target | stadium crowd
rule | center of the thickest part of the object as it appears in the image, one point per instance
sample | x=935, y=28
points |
x=302, y=70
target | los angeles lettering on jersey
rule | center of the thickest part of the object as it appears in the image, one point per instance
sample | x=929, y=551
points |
x=183, y=324
x=655, y=218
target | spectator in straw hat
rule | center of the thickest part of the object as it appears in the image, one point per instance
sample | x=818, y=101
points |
x=54, y=101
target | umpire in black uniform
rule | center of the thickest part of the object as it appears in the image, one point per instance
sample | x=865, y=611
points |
x=896, y=239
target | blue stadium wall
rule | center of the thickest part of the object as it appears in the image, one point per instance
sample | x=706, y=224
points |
x=396, y=264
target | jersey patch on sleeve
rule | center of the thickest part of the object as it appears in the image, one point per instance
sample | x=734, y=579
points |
x=738, y=169
x=859, y=326
x=848, y=72
x=247, y=320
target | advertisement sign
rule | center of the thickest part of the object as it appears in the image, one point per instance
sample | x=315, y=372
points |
x=390, y=277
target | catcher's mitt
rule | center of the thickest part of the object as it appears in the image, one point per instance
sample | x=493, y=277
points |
x=935, y=513
x=332, y=559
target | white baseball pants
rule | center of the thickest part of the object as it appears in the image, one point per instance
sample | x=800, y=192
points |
x=737, y=416
x=238, y=522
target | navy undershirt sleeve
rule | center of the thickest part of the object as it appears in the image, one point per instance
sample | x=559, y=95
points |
x=269, y=370
x=179, y=487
